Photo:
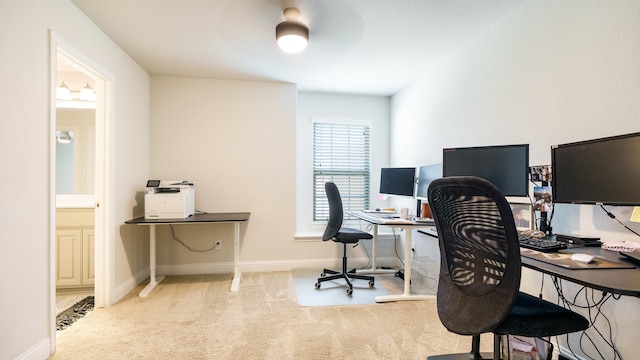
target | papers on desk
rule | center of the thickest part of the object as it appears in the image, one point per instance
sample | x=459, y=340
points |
x=392, y=220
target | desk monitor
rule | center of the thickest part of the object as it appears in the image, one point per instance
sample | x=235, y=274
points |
x=398, y=181
x=600, y=171
x=426, y=174
x=505, y=166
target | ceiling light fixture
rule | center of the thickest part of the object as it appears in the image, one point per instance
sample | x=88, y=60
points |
x=292, y=36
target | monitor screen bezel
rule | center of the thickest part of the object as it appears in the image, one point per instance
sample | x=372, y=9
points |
x=523, y=167
x=606, y=166
x=389, y=172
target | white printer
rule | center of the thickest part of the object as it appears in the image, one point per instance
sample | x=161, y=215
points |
x=169, y=199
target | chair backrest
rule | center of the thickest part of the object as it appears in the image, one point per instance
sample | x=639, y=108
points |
x=335, y=211
x=479, y=254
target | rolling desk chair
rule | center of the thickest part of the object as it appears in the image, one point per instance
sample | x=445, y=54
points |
x=478, y=288
x=337, y=233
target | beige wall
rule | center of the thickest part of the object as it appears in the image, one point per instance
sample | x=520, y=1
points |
x=27, y=211
x=552, y=72
x=235, y=140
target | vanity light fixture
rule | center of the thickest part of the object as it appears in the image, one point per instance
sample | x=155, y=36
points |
x=87, y=93
x=63, y=92
x=292, y=36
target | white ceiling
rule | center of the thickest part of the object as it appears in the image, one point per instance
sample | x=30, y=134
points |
x=356, y=46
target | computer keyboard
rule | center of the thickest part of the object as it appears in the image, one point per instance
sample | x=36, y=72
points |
x=544, y=244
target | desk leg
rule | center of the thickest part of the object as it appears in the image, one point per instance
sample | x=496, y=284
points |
x=235, y=283
x=407, y=276
x=374, y=266
x=153, y=280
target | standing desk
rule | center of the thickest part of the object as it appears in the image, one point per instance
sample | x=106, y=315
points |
x=376, y=221
x=234, y=218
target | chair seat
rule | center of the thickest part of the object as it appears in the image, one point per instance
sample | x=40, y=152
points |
x=534, y=317
x=351, y=236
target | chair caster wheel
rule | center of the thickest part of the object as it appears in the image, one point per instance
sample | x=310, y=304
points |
x=370, y=283
x=317, y=285
x=349, y=292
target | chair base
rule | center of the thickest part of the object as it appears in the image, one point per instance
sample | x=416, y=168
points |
x=475, y=353
x=344, y=274
x=347, y=276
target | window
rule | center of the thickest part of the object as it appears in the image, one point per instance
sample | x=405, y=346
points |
x=341, y=154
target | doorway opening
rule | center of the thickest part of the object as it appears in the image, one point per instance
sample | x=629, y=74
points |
x=79, y=117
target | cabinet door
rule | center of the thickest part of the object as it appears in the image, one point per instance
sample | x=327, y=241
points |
x=69, y=252
x=88, y=251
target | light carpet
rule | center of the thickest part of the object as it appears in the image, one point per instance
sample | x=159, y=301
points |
x=197, y=317
x=334, y=292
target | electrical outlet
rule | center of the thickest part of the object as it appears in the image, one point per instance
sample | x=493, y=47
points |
x=218, y=245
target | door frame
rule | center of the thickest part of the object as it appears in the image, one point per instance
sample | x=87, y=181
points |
x=104, y=249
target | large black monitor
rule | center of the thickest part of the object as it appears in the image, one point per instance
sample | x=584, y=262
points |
x=426, y=174
x=505, y=166
x=599, y=171
x=397, y=181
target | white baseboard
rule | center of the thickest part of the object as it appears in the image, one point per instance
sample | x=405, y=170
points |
x=40, y=351
x=267, y=266
x=245, y=266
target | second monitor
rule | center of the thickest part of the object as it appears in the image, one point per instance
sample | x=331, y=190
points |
x=397, y=181
x=505, y=166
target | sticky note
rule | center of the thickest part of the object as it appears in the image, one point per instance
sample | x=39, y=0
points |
x=635, y=215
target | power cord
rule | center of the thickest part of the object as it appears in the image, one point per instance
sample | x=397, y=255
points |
x=592, y=303
x=173, y=236
x=395, y=246
x=609, y=214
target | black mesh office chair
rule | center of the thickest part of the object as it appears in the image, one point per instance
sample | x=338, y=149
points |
x=478, y=289
x=337, y=233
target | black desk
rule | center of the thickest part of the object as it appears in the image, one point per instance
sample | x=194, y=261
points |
x=612, y=281
x=234, y=218
x=615, y=281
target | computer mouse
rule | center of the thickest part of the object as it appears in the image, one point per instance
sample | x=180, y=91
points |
x=583, y=258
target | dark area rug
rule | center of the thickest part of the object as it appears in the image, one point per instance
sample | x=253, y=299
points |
x=75, y=312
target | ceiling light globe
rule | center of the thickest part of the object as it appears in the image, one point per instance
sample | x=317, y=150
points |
x=87, y=94
x=63, y=92
x=292, y=43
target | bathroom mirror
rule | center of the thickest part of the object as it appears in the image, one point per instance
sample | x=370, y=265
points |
x=75, y=151
x=75, y=135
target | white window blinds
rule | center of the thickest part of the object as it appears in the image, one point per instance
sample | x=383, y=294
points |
x=341, y=154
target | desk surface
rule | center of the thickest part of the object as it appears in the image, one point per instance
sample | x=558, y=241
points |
x=196, y=218
x=379, y=219
x=616, y=281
